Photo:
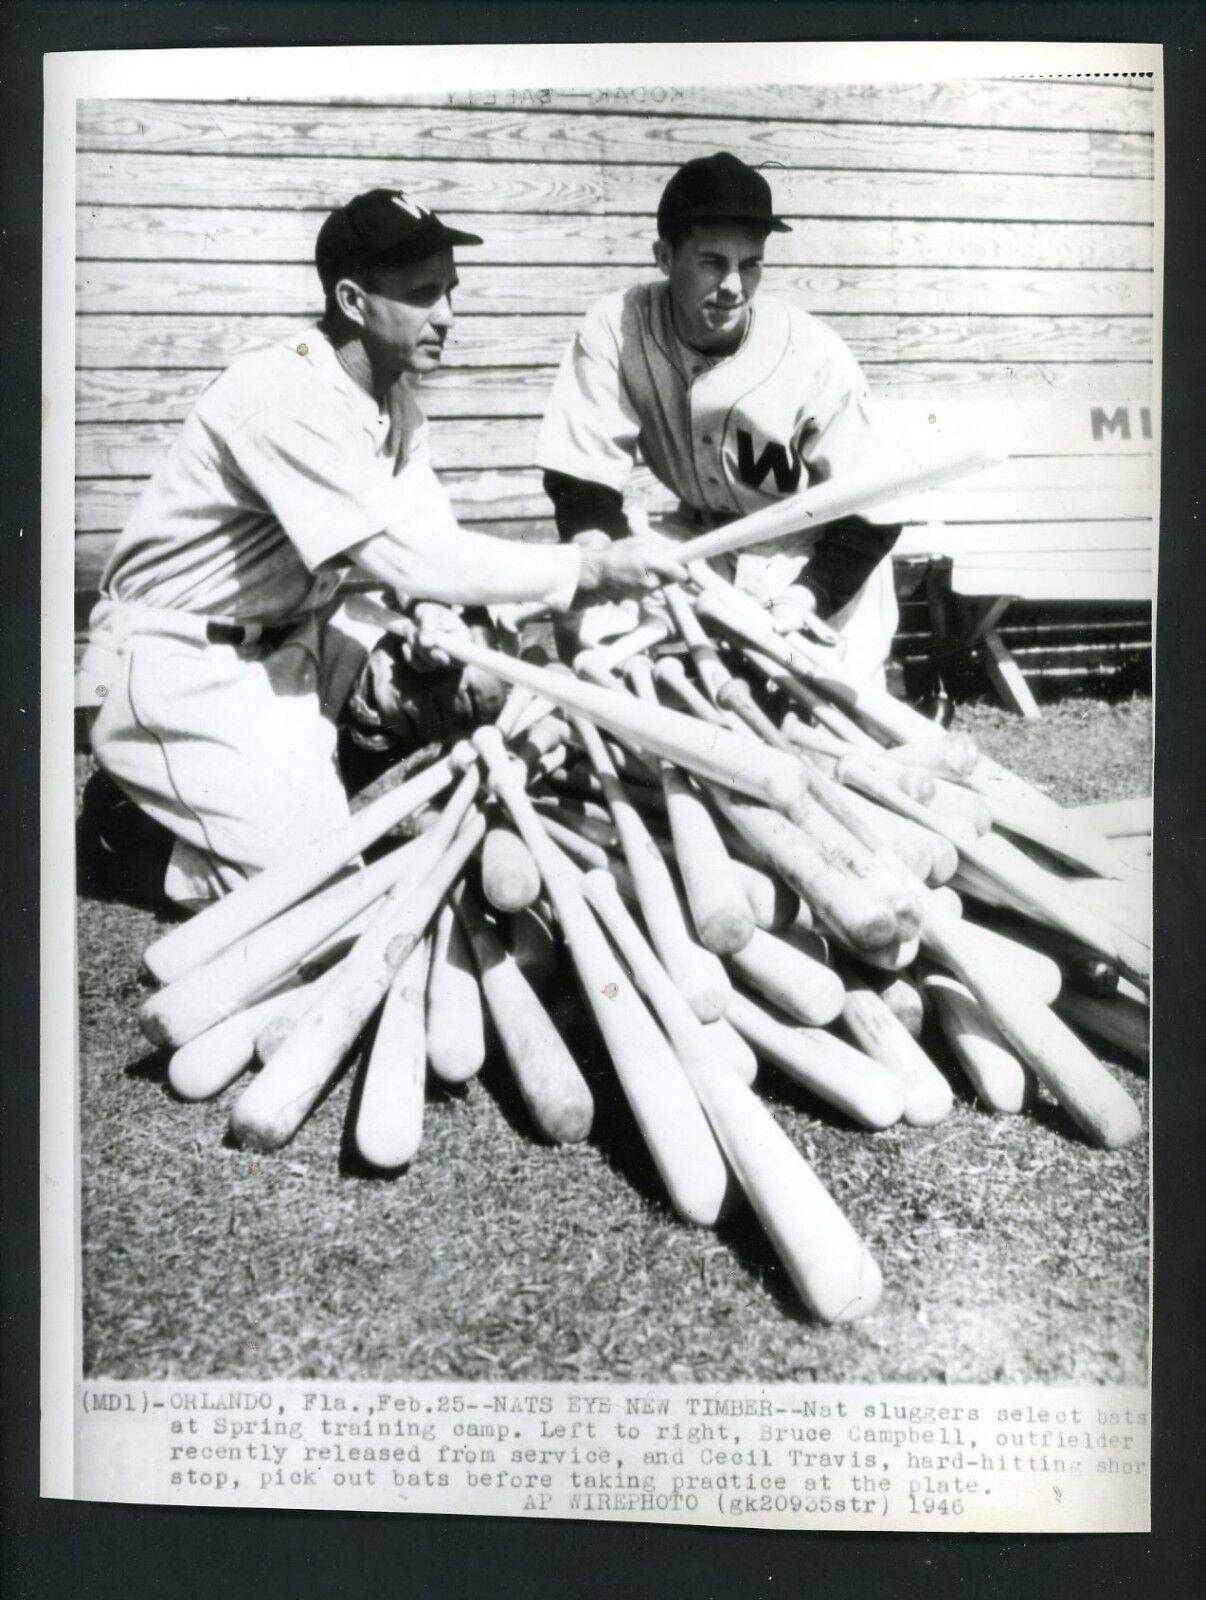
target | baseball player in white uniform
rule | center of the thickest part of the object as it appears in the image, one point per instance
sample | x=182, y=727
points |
x=733, y=401
x=220, y=654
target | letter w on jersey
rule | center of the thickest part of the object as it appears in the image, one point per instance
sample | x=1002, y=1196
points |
x=786, y=464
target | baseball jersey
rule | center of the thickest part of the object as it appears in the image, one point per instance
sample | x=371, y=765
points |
x=284, y=463
x=788, y=408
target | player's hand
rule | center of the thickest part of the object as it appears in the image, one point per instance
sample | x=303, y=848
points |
x=591, y=539
x=629, y=568
x=432, y=621
x=793, y=609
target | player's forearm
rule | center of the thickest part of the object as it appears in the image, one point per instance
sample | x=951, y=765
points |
x=579, y=504
x=462, y=568
x=843, y=558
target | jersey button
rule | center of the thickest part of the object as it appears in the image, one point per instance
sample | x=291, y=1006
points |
x=707, y=439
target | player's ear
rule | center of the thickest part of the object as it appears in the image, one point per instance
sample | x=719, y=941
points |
x=349, y=297
x=663, y=251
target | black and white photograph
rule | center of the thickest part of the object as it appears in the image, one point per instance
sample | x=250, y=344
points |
x=612, y=727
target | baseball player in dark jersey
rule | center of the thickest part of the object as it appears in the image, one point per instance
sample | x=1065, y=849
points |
x=220, y=654
x=734, y=399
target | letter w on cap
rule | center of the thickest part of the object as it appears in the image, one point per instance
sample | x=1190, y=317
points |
x=411, y=207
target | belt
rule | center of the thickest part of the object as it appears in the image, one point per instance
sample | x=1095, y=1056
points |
x=248, y=633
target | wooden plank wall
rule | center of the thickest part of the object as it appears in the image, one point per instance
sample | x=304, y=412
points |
x=972, y=241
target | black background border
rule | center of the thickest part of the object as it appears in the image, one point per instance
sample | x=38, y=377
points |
x=57, y=1548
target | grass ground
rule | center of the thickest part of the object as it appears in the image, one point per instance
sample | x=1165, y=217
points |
x=1011, y=1251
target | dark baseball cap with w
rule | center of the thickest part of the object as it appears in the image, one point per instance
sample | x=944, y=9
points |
x=382, y=227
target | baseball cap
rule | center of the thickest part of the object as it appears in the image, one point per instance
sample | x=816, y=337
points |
x=380, y=227
x=718, y=186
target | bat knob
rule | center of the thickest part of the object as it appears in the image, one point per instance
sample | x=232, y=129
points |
x=488, y=742
x=588, y=665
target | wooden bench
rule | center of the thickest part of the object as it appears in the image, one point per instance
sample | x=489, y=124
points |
x=1068, y=517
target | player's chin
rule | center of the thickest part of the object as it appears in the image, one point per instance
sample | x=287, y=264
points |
x=426, y=357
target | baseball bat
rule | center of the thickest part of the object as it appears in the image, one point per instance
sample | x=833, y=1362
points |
x=832, y=1271
x=799, y=985
x=720, y=908
x=773, y=904
x=509, y=877
x=849, y=495
x=253, y=965
x=277, y=1028
x=709, y=668
x=1083, y=968
x=1134, y=852
x=1125, y=903
x=954, y=756
x=1117, y=819
x=823, y=1064
x=549, y=1081
x=389, y=1118
x=274, y=1106
x=956, y=801
x=1117, y=1020
x=993, y=1070
x=764, y=775
x=1099, y=1106
x=887, y=719
x=584, y=852
x=1040, y=974
x=906, y=1003
x=944, y=898
x=855, y=834
x=881, y=1035
x=211, y=1061
x=819, y=811
x=843, y=901
x=670, y=674
x=822, y=714
x=698, y=972
x=727, y=1045
x=651, y=630
x=1056, y=831
x=1040, y=893
x=824, y=749
x=924, y=854
x=665, y=1109
x=893, y=957
x=865, y=778
x=259, y=899
x=456, y=1032
x=893, y=722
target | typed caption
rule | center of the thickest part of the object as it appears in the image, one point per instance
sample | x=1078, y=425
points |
x=893, y=1458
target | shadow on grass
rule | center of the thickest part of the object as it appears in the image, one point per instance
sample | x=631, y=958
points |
x=150, y=1068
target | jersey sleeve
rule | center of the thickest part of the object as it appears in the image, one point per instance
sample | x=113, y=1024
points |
x=590, y=428
x=319, y=477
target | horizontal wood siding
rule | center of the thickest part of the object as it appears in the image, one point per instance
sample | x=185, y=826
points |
x=984, y=247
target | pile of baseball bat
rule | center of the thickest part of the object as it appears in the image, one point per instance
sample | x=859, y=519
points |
x=742, y=856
